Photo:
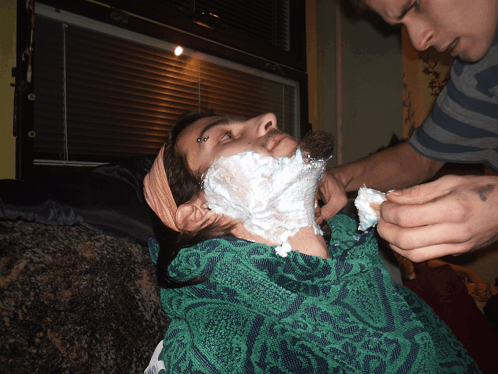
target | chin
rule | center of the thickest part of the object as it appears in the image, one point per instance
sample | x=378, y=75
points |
x=469, y=58
x=474, y=55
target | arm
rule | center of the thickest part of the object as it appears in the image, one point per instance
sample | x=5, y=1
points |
x=451, y=215
x=395, y=167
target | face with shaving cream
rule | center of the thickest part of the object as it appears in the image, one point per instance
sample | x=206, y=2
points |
x=255, y=174
x=273, y=197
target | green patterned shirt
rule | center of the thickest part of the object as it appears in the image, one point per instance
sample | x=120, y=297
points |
x=262, y=313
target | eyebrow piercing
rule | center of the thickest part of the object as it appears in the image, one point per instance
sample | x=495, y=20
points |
x=204, y=139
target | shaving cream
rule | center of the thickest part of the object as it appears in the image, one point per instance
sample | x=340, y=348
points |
x=273, y=197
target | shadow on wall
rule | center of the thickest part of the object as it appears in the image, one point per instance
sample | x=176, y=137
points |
x=369, y=16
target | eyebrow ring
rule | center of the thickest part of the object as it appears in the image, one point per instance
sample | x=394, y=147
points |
x=204, y=139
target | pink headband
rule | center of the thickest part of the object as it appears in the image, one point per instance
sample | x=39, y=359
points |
x=158, y=194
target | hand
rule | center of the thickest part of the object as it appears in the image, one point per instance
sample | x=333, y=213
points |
x=331, y=192
x=451, y=215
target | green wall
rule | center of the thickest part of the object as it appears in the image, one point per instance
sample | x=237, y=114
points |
x=360, y=64
x=7, y=62
x=371, y=88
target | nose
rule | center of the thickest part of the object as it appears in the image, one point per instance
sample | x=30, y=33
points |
x=421, y=34
x=265, y=123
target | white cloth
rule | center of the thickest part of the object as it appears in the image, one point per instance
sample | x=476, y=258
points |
x=368, y=205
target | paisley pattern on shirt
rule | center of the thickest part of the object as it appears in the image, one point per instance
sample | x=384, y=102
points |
x=261, y=313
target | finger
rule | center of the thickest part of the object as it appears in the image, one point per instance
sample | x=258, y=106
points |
x=431, y=252
x=333, y=207
x=430, y=213
x=422, y=193
x=318, y=214
x=423, y=236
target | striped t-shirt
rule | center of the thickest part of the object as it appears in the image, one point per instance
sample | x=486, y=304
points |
x=463, y=126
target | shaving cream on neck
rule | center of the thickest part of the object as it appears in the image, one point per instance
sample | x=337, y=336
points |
x=274, y=198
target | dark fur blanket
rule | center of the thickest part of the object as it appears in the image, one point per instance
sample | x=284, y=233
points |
x=75, y=301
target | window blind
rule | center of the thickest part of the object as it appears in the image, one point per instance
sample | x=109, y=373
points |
x=264, y=20
x=101, y=96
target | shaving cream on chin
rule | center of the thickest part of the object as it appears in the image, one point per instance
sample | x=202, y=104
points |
x=273, y=197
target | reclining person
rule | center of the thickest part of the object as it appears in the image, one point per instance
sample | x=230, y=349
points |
x=239, y=303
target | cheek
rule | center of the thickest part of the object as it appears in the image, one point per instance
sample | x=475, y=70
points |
x=230, y=150
x=475, y=54
x=239, y=146
x=478, y=19
x=192, y=162
x=479, y=45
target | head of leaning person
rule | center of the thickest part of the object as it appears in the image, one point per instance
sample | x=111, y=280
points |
x=182, y=217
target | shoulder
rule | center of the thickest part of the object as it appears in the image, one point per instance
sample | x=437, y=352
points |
x=350, y=248
x=480, y=77
x=202, y=258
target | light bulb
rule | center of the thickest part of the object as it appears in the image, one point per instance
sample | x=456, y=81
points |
x=178, y=51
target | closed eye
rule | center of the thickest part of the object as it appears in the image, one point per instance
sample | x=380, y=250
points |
x=227, y=136
x=409, y=6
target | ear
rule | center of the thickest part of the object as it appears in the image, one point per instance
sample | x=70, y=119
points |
x=192, y=215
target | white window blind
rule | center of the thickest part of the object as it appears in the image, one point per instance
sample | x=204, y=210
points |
x=104, y=93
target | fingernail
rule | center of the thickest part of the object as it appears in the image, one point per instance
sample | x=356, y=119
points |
x=394, y=192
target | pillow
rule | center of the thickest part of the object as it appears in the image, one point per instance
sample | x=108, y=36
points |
x=108, y=199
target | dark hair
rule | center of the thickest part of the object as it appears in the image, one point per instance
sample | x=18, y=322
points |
x=183, y=182
x=185, y=185
x=359, y=6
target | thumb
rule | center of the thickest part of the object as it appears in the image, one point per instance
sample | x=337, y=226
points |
x=332, y=207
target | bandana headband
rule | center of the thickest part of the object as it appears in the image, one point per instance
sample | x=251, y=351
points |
x=158, y=194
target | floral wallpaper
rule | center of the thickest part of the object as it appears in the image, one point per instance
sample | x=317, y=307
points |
x=424, y=76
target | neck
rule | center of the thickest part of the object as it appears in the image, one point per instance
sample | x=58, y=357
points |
x=304, y=241
x=309, y=243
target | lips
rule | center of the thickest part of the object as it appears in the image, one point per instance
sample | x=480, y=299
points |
x=275, y=140
x=452, y=46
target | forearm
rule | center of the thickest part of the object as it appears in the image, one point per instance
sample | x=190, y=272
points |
x=392, y=168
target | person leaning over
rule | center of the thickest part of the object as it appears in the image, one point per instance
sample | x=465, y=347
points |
x=453, y=214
